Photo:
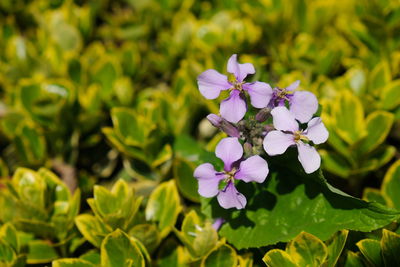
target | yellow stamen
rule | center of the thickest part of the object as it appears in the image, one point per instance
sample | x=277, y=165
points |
x=298, y=136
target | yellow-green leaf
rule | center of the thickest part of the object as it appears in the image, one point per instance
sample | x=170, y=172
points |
x=390, y=95
x=335, y=246
x=390, y=244
x=72, y=263
x=223, y=256
x=371, y=249
x=391, y=185
x=307, y=250
x=118, y=250
x=164, y=206
x=378, y=126
x=348, y=116
x=40, y=251
x=278, y=258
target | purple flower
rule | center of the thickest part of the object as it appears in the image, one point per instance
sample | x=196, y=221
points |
x=230, y=151
x=288, y=134
x=302, y=104
x=233, y=108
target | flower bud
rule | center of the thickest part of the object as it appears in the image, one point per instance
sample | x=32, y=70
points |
x=248, y=149
x=223, y=125
x=263, y=114
x=214, y=119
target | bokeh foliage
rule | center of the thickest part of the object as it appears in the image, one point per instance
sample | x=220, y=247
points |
x=103, y=93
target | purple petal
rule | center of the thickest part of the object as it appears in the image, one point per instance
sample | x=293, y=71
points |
x=208, y=180
x=211, y=82
x=308, y=157
x=253, y=169
x=229, y=150
x=276, y=142
x=239, y=70
x=284, y=120
x=218, y=223
x=293, y=86
x=231, y=198
x=316, y=131
x=260, y=93
x=303, y=105
x=233, y=108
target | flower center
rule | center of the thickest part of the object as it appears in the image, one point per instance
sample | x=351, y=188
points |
x=238, y=86
x=298, y=136
x=230, y=175
x=235, y=84
x=281, y=92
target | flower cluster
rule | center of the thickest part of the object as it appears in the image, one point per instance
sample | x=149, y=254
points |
x=289, y=108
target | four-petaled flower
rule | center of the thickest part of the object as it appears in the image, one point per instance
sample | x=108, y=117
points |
x=233, y=108
x=287, y=133
x=230, y=151
x=302, y=104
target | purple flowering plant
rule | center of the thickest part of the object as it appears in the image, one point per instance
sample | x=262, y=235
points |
x=289, y=108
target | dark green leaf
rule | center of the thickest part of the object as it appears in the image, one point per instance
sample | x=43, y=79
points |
x=290, y=202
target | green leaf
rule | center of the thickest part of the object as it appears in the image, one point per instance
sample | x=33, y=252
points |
x=171, y=253
x=106, y=202
x=65, y=35
x=223, y=256
x=92, y=256
x=307, y=250
x=31, y=188
x=348, y=116
x=290, y=202
x=353, y=259
x=11, y=122
x=31, y=145
x=378, y=126
x=164, y=207
x=335, y=247
x=390, y=244
x=390, y=95
x=39, y=228
x=380, y=76
x=335, y=163
x=132, y=128
x=119, y=144
x=7, y=254
x=391, y=186
x=187, y=184
x=40, y=251
x=118, y=250
x=374, y=195
x=162, y=157
x=106, y=74
x=147, y=234
x=116, y=208
x=187, y=148
x=278, y=258
x=199, y=237
x=91, y=228
x=371, y=249
x=376, y=159
x=8, y=233
x=72, y=263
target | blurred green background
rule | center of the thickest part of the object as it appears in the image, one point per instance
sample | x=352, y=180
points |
x=93, y=84
x=101, y=90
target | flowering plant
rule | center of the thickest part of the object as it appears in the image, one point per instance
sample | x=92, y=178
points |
x=271, y=187
x=284, y=131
